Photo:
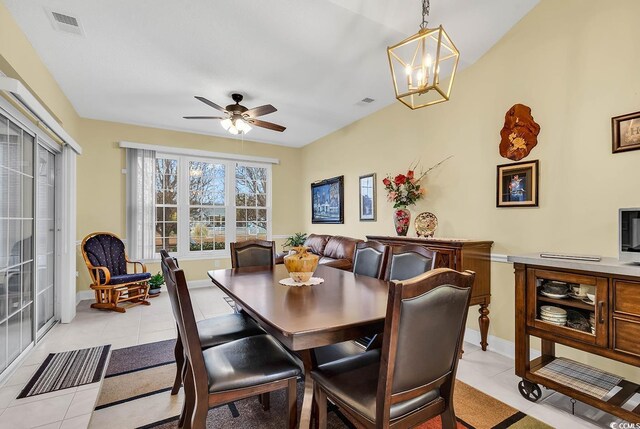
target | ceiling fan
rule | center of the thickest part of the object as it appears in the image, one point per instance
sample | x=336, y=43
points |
x=238, y=117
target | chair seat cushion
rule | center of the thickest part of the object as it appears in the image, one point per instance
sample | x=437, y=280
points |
x=248, y=362
x=129, y=278
x=229, y=327
x=354, y=381
x=338, y=351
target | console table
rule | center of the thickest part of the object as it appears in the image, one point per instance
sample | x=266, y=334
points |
x=613, y=332
x=459, y=255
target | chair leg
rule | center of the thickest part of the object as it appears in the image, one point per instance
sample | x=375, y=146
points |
x=448, y=417
x=178, y=352
x=292, y=409
x=265, y=401
x=189, y=398
x=320, y=400
x=199, y=419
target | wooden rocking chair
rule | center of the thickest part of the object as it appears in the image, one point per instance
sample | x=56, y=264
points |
x=107, y=260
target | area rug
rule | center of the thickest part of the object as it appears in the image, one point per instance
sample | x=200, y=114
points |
x=67, y=369
x=135, y=396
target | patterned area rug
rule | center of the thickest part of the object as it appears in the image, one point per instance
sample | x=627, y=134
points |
x=67, y=369
x=137, y=396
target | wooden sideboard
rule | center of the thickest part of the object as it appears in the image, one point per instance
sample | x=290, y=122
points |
x=614, y=329
x=459, y=255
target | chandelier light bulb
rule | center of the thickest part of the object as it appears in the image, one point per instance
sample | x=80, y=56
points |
x=408, y=70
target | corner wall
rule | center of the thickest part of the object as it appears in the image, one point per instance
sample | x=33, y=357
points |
x=574, y=62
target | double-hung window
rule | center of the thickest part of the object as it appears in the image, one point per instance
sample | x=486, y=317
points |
x=203, y=204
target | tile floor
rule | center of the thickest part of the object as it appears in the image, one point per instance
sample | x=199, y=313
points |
x=71, y=408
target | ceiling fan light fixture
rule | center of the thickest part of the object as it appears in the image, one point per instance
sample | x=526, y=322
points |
x=424, y=65
x=243, y=126
x=226, y=124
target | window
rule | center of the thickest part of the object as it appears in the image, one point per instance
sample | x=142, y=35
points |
x=198, y=201
x=166, y=179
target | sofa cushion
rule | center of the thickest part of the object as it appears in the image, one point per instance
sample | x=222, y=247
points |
x=343, y=264
x=341, y=247
x=316, y=243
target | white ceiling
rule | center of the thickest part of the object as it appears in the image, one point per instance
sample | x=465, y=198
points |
x=141, y=62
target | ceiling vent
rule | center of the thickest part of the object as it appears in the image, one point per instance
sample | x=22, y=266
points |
x=368, y=100
x=65, y=22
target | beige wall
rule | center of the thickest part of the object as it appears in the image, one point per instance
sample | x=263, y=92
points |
x=101, y=184
x=574, y=62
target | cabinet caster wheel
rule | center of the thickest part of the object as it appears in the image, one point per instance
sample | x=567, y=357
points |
x=529, y=391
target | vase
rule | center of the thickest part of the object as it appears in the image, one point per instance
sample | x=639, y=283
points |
x=401, y=221
x=301, y=264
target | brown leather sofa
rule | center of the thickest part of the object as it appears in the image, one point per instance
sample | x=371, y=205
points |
x=333, y=250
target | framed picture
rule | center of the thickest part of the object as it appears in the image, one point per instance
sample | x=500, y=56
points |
x=518, y=184
x=327, y=201
x=626, y=132
x=368, y=197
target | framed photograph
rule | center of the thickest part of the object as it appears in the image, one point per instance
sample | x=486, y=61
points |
x=368, y=197
x=327, y=201
x=626, y=132
x=518, y=184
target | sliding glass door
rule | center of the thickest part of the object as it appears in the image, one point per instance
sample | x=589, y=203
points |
x=16, y=240
x=46, y=240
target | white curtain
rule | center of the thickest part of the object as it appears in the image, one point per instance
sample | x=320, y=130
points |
x=140, y=203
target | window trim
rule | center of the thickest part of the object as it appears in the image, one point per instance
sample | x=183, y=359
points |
x=184, y=205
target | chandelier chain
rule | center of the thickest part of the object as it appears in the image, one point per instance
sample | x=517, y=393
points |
x=425, y=13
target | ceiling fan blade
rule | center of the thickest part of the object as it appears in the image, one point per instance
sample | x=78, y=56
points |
x=203, y=117
x=268, y=125
x=261, y=110
x=211, y=103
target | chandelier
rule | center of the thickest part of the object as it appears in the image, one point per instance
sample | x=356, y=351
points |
x=423, y=66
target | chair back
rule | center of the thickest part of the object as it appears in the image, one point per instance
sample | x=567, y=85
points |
x=423, y=333
x=104, y=249
x=409, y=261
x=253, y=253
x=185, y=318
x=370, y=259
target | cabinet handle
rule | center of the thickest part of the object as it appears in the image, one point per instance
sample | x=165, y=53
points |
x=601, y=311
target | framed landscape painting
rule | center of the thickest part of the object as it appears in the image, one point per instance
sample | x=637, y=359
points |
x=368, y=197
x=327, y=201
x=518, y=184
x=626, y=132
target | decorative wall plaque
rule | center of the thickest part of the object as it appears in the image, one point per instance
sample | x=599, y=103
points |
x=519, y=134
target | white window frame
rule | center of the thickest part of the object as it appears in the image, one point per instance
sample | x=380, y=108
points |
x=229, y=203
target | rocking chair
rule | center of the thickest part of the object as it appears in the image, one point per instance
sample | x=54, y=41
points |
x=107, y=261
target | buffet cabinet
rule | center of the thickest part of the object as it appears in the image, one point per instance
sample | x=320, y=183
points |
x=459, y=255
x=606, y=324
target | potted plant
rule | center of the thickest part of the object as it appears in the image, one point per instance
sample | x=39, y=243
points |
x=155, y=282
x=295, y=240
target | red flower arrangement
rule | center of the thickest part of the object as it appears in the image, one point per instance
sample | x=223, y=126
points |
x=405, y=189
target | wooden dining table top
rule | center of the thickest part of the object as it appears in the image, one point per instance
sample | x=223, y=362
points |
x=345, y=306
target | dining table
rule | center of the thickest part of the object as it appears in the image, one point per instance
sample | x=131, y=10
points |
x=345, y=306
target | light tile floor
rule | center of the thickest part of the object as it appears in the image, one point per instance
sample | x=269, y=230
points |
x=71, y=408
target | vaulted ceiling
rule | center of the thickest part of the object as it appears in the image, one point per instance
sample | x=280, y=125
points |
x=141, y=62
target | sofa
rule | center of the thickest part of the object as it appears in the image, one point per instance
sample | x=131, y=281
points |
x=334, y=250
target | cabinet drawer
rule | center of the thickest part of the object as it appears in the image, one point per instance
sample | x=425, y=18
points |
x=626, y=297
x=625, y=336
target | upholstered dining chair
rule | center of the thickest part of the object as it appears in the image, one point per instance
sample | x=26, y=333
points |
x=228, y=372
x=409, y=261
x=212, y=332
x=107, y=261
x=370, y=260
x=412, y=378
x=253, y=253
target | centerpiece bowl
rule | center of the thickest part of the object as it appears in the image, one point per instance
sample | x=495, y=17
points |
x=301, y=264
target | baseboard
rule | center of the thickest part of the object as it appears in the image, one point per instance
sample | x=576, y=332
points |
x=496, y=344
x=84, y=295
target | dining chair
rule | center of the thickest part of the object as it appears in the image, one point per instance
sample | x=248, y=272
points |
x=228, y=372
x=253, y=253
x=212, y=332
x=408, y=261
x=369, y=260
x=412, y=378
